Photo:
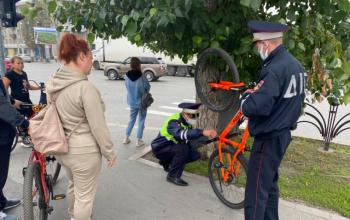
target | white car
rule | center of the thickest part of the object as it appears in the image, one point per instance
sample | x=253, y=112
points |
x=25, y=57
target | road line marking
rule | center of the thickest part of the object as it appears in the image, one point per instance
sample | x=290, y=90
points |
x=175, y=103
x=189, y=100
x=169, y=107
x=124, y=126
x=153, y=112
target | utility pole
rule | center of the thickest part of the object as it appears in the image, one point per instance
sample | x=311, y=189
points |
x=2, y=65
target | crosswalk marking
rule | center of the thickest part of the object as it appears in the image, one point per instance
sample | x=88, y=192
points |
x=153, y=112
x=175, y=103
x=124, y=126
x=189, y=100
x=172, y=108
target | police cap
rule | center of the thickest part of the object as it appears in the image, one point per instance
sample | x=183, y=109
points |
x=189, y=107
x=263, y=30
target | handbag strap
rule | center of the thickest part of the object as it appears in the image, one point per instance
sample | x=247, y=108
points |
x=53, y=101
x=75, y=127
x=143, y=83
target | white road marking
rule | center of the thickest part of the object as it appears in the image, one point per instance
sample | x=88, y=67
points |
x=124, y=126
x=172, y=108
x=189, y=100
x=175, y=103
x=153, y=112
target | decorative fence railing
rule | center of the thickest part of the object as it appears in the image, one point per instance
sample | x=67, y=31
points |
x=329, y=128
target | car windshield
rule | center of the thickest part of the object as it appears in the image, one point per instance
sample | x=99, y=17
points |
x=127, y=60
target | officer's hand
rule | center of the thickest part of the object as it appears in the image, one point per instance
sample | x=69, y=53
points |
x=17, y=104
x=112, y=162
x=210, y=133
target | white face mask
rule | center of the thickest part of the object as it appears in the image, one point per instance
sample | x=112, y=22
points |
x=263, y=54
x=192, y=122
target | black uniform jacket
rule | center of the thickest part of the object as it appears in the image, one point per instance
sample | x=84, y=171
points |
x=277, y=104
x=9, y=117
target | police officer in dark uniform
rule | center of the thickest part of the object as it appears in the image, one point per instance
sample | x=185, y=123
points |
x=9, y=119
x=273, y=108
x=172, y=146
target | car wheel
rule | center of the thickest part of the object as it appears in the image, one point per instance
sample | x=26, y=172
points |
x=96, y=65
x=112, y=74
x=150, y=76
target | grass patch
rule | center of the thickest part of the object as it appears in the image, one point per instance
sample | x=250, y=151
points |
x=316, y=178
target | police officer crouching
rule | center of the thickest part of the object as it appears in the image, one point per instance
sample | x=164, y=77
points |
x=272, y=108
x=172, y=146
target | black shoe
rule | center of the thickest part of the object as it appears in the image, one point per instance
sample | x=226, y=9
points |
x=165, y=166
x=176, y=181
x=11, y=204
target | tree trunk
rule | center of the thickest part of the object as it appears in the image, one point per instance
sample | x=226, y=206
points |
x=213, y=120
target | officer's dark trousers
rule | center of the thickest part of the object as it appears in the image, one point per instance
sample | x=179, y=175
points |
x=261, y=195
x=5, y=150
x=177, y=156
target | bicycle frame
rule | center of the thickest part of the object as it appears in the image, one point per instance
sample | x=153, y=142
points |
x=36, y=157
x=224, y=140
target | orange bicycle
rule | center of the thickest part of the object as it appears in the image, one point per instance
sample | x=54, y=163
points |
x=218, y=89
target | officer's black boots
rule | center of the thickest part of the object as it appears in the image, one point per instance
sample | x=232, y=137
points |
x=177, y=181
x=166, y=166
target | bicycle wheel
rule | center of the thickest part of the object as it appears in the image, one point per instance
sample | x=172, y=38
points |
x=215, y=65
x=34, y=206
x=230, y=192
x=53, y=168
x=15, y=142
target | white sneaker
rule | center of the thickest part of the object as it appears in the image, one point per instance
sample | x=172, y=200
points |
x=126, y=140
x=140, y=143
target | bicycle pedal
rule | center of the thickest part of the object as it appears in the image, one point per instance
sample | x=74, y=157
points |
x=49, y=209
x=59, y=197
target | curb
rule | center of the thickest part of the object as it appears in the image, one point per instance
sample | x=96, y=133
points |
x=322, y=214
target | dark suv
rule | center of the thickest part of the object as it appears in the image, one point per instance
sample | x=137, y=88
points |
x=152, y=67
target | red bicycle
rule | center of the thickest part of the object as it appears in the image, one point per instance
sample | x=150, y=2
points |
x=40, y=176
x=38, y=187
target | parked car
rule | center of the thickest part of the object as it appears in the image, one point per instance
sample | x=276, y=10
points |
x=25, y=57
x=152, y=67
x=8, y=64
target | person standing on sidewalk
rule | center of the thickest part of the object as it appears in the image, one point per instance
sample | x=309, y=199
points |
x=136, y=85
x=172, y=146
x=17, y=80
x=80, y=108
x=273, y=108
x=10, y=118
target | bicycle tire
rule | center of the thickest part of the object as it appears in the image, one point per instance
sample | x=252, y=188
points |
x=238, y=184
x=202, y=86
x=32, y=176
x=53, y=168
x=15, y=142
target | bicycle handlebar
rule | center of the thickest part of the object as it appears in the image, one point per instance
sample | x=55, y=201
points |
x=226, y=85
x=40, y=84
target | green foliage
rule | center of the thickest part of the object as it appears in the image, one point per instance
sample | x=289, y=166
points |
x=187, y=27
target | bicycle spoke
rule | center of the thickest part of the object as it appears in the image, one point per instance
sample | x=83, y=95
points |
x=228, y=186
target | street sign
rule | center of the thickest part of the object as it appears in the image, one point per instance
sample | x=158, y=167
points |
x=43, y=35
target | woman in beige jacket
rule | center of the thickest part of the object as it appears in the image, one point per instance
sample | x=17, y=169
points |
x=79, y=105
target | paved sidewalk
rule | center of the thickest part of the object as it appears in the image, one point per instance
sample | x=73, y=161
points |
x=137, y=189
x=287, y=210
